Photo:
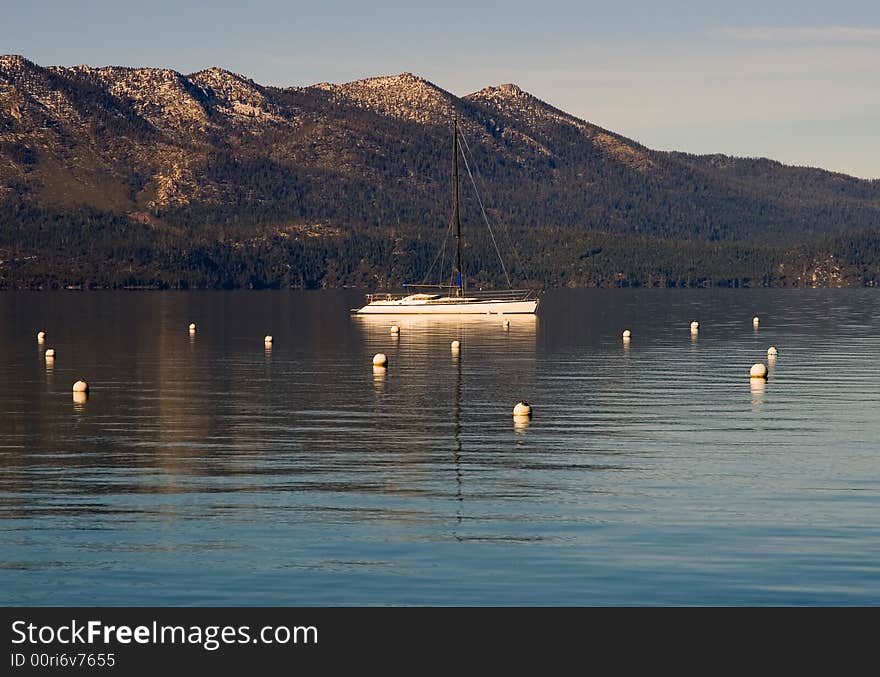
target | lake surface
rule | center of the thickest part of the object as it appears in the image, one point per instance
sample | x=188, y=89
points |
x=211, y=470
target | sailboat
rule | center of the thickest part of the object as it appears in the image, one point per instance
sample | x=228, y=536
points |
x=455, y=298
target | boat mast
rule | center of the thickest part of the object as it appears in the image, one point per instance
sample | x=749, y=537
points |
x=456, y=214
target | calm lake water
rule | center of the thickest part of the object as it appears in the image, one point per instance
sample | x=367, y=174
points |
x=210, y=470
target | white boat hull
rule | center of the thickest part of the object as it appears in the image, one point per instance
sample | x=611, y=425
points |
x=474, y=307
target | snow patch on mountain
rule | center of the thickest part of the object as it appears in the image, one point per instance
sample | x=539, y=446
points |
x=403, y=96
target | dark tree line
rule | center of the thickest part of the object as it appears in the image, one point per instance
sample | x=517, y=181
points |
x=92, y=249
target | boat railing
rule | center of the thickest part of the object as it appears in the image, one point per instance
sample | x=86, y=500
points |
x=472, y=294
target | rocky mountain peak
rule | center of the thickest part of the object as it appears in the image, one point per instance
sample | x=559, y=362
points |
x=237, y=97
x=15, y=66
x=510, y=100
x=504, y=92
x=404, y=96
x=10, y=61
x=222, y=80
x=162, y=96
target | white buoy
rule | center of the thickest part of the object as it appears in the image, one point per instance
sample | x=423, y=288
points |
x=522, y=408
x=267, y=338
x=506, y=324
x=772, y=351
x=455, y=345
x=626, y=334
x=756, y=321
x=380, y=360
x=758, y=370
x=50, y=353
x=80, y=387
x=395, y=329
x=695, y=326
x=41, y=336
x=192, y=328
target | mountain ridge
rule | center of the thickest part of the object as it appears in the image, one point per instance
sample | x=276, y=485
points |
x=213, y=159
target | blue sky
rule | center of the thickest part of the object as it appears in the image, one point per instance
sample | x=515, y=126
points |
x=796, y=81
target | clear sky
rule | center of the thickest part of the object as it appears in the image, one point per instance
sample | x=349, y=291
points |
x=795, y=81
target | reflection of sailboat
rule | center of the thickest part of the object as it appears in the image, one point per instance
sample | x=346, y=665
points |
x=458, y=451
x=453, y=298
x=470, y=324
x=423, y=335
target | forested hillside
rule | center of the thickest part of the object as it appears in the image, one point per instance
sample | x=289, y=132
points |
x=118, y=177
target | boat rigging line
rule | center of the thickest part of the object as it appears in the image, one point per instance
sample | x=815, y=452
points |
x=483, y=211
